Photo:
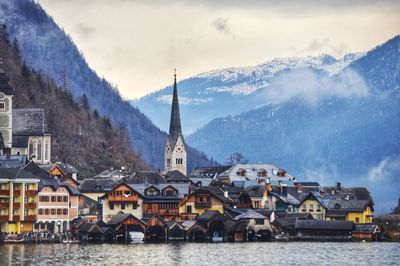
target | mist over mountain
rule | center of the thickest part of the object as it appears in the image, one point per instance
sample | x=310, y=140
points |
x=48, y=49
x=341, y=127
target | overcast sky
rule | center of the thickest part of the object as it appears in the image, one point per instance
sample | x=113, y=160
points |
x=137, y=44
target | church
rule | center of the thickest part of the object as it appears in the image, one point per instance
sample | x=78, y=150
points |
x=175, y=154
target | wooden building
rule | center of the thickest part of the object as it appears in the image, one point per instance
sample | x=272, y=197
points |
x=367, y=232
x=323, y=230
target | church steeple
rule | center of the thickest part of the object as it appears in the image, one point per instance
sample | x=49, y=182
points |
x=175, y=128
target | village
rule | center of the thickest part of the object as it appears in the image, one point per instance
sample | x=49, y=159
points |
x=48, y=201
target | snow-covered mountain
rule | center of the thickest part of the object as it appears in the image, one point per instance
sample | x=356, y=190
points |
x=231, y=91
x=347, y=129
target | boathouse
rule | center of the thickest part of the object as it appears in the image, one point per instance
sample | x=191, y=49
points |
x=323, y=230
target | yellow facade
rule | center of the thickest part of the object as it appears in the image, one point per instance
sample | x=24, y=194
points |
x=199, y=211
x=360, y=217
x=313, y=207
x=18, y=205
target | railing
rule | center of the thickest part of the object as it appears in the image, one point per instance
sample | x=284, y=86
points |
x=30, y=218
x=16, y=218
x=206, y=204
x=16, y=205
x=17, y=193
x=4, y=205
x=3, y=217
x=30, y=193
x=30, y=205
x=4, y=192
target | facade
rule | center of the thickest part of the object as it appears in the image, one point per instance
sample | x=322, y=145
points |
x=314, y=204
x=357, y=211
x=6, y=95
x=122, y=199
x=18, y=203
x=175, y=155
x=259, y=196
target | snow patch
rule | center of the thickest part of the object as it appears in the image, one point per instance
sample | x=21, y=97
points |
x=167, y=99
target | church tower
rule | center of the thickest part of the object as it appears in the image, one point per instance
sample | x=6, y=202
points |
x=6, y=111
x=175, y=157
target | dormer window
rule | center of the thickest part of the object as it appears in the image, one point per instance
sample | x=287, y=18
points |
x=241, y=172
x=169, y=191
x=262, y=173
x=152, y=191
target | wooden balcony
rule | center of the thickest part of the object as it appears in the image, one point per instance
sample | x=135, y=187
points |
x=122, y=198
x=16, y=218
x=30, y=218
x=17, y=193
x=162, y=211
x=188, y=216
x=203, y=204
x=30, y=205
x=16, y=205
x=3, y=218
x=30, y=193
x=4, y=192
x=4, y=205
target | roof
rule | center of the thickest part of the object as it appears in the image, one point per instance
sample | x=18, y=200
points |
x=318, y=197
x=29, y=122
x=175, y=175
x=288, y=199
x=348, y=205
x=16, y=173
x=256, y=191
x=4, y=85
x=215, y=191
x=201, y=181
x=211, y=215
x=208, y=172
x=97, y=185
x=55, y=184
x=1, y=141
x=20, y=141
x=307, y=184
x=36, y=170
x=359, y=193
x=13, y=161
x=149, y=177
x=175, y=129
x=120, y=217
x=366, y=228
x=250, y=214
x=67, y=168
x=324, y=225
x=183, y=189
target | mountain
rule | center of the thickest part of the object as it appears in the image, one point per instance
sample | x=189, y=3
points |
x=232, y=91
x=341, y=127
x=79, y=136
x=47, y=49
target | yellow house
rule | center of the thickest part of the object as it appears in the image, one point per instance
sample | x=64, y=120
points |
x=202, y=199
x=357, y=211
x=18, y=203
x=314, y=204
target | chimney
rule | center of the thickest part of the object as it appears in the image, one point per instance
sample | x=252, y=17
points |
x=299, y=188
x=338, y=186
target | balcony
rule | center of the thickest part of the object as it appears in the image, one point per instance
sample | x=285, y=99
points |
x=204, y=204
x=4, y=205
x=30, y=218
x=30, y=193
x=122, y=198
x=17, y=193
x=188, y=216
x=16, y=205
x=3, y=218
x=169, y=212
x=16, y=218
x=4, y=192
x=30, y=205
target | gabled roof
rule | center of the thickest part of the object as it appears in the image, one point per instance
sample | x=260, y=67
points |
x=215, y=191
x=13, y=161
x=36, y=170
x=4, y=85
x=16, y=173
x=174, y=176
x=182, y=188
x=366, y=228
x=250, y=214
x=316, y=196
x=324, y=225
x=29, y=122
x=348, y=205
x=288, y=199
x=256, y=191
x=201, y=181
x=208, y=172
x=211, y=215
x=97, y=185
x=119, y=218
x=145, y=177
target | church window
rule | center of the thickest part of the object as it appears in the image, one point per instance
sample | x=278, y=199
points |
x=39, y=150
x=31, y=149
x=46, y=150
x=2, y=105
x=168, y=162
x=179, y=160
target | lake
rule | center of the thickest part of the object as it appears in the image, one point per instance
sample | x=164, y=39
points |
x=275, y=253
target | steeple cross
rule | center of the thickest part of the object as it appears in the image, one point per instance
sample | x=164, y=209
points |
x=175, y=71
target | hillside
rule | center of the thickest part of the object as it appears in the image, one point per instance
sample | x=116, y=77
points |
x=79, y=136
x=232, y=91
x=352, y=135
x=46, y=48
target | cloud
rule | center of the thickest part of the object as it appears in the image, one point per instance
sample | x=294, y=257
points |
x=84, y=30
x=385, y=170
x=312, y=86
x=325, y=45
x=222, y=25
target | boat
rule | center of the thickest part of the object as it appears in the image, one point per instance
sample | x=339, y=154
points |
x=70, y=241
x=13, y=241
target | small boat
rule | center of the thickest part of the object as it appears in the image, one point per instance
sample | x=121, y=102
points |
x=13, y=241
x=136, y=237
x=70, y=241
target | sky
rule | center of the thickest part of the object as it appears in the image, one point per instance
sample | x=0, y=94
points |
x=137, y=44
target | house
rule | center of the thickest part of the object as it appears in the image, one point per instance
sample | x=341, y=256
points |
x=162, y=199
x=156, y=228
x=323, y=230
x=285, y=223
x=357, y=211
x=89, y=209
x=202, y=199
x=176, y=231
x=122, y=199
x=96, y=232
x=368, y=232
x=259, y=196
x=315, y=204
x=281, y=201
x=18, y=202
x=64, y=172
x=127, y=227
x=214, y=223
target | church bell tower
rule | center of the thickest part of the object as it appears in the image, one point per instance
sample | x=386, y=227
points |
x=175, y=157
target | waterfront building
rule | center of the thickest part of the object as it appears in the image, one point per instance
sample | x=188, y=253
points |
x=89, y=209
x=18, y=203
x=323, y=230
x=259, y=196
x=315, y=204
x=202, y=199
x=357, y=211
x=175, y=154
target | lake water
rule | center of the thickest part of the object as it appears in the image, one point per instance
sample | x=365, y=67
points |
x=291, y=253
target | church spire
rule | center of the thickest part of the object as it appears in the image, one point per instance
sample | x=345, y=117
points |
x=175, y=129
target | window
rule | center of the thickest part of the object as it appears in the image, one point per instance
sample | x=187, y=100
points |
x=169, y=192
x=26, y=186
x=53, y=211
x=311, y=207
x=46, y=150
x=134, y=205
x=31, y=154
x=53, y=198
x=26, y=199
x=40, y=211
x=59, y=211
x=46, y=211
x=357, y=220
x=111, y=206
x=42, y=226
x=179, y=161
x=188, y=209
x=65, y=198
x=59, y=198
x=2, y=105
x=65, y=211
x=318, y=207
x=39, y=150
x=152, y=192
x=259, y=221
x=123, y=206
x=304, y=207
x=168, y=162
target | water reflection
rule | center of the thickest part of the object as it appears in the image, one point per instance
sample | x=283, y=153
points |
x=294, y=253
